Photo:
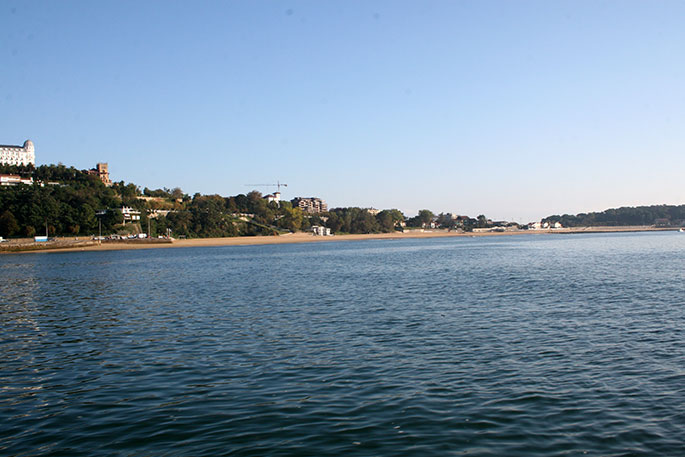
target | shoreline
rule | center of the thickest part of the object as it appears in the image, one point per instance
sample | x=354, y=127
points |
x=304, y=237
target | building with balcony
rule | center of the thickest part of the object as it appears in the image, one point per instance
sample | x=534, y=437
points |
x=310, y=205
x=130, y=214
x=18, y=155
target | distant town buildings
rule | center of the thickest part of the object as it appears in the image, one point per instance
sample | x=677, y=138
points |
x=310, y=205
x=544, y=225
x=18, y=155
x=101, y=170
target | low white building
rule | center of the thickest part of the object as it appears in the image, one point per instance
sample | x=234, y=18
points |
x=156, y=213
x=130, y=214
x=13, y=180
x=540, y=225
x=319, y=230
x=18, y=155
x=275, y=197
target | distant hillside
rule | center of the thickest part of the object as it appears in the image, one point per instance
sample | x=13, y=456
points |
x=66, y=201
x=658, y=215
x=62, y=198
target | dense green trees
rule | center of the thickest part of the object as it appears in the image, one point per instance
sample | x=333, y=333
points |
x=640, y=215
x=8, y=224
x=240, y=215
x=21, y=170
x=292, y=218
x=358, y=220
x=62, y=198
x=482, y=221
x=389, y=219
x=66, y=201
x=71, y=202
x=422, y=219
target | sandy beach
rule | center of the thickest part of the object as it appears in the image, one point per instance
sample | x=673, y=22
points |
x=309, y=238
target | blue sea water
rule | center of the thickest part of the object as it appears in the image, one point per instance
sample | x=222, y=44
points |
x=547, y=345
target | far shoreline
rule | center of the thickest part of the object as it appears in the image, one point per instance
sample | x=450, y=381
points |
x=304, y=237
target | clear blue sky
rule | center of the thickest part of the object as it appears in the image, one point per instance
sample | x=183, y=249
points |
x=514, y=109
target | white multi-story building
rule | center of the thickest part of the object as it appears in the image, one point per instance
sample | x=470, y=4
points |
x=310, y=205
x=18, y=155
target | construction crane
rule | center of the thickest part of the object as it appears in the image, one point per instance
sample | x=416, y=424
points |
x=278, y=185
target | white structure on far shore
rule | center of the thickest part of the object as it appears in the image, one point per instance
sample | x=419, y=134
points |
x=275, y=197
x=130, y=214
x=319, y=230
x=18, y=155
x=544, y=225
x=14, y=180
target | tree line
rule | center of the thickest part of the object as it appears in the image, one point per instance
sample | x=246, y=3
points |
x=64, y=201
x=659, y=215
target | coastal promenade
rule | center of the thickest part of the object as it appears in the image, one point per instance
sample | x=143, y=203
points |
x=74, y=244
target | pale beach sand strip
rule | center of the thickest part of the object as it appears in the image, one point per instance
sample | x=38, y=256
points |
x=309, y=238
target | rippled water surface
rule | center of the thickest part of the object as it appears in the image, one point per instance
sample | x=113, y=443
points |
x=524, y=345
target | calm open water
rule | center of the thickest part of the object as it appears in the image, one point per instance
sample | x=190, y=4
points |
x=525, y=345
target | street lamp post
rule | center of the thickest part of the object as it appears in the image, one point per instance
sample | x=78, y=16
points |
x=99, y=214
